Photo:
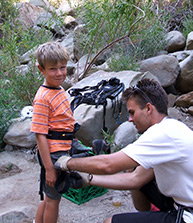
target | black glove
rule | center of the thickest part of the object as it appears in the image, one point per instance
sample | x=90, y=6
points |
x=62, y=183
x=67, y=179
x=76, y=181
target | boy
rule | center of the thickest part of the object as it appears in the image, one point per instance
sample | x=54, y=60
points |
x=53, y=124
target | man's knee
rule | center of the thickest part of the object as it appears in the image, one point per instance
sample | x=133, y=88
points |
x=108, y=220
x=140, y=201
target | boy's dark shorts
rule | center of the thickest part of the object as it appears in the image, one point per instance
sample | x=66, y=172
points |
x=51, y=192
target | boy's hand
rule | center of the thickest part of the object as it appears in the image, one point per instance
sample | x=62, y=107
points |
x=61, y=163
x=51, y=177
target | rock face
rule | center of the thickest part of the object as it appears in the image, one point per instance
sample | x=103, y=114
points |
x=185, y=100
x=176, y=41
x=185, y=79
x=165, y=68
x=189, y=42
x=125, y=134
x=19, y=134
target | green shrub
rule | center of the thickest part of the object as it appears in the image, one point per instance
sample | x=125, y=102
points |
x=17, y=89
x=107, y=21
x=187, y=25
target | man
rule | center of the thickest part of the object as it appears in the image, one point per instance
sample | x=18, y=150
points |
x=165, y=146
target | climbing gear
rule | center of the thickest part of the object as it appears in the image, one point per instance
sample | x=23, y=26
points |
x=180, y=211
x=80, y=150
x=62, y=183
x=68, y=179
x=100, y=146
x=57, y=135
x=42, y=176
x=98, y=95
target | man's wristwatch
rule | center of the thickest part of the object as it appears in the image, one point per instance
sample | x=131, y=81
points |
x=90, y=177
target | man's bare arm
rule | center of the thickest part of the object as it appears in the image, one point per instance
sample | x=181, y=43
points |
x=102, y=164
x=124, y=181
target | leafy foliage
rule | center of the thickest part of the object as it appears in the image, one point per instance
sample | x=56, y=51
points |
x=17, y=89
x=107, y=21
x=187, y=25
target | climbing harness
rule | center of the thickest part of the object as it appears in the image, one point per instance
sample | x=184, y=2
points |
x=98, y=95
x=180, y=211
x=63, y=135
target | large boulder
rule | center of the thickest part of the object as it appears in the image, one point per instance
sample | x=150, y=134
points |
x=91, y=118
x=189, y=42
x=165, y=68
x=184, y=82
x=185, y=100
x=29, y=13
x=181, y=55
x=19, y=134
x=175, y=41
x=42, y=3
x=125, y=134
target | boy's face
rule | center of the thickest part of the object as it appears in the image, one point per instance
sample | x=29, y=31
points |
x=54, y=74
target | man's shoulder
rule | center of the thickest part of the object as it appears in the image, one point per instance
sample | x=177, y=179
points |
x=173, y=123
x=175, y=129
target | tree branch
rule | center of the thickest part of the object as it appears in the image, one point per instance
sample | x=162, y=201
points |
x=111, y=44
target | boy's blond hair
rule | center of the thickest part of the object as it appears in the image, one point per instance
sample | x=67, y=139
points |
x=51, y=52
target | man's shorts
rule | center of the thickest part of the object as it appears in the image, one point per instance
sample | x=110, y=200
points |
x=151, y=191
x=167, y=213
x=51, y=192
x=146, y=217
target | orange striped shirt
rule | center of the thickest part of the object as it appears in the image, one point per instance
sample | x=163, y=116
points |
x=51, y=111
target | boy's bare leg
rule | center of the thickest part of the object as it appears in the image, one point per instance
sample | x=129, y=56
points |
x=51, y=210
x=140, y=201
x=48, y=211
x=40, y=212
x=108, y=220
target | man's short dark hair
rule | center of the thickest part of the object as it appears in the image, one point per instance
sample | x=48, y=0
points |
x=145, y=91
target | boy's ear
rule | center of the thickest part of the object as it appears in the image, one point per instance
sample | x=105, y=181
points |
x=40, y=68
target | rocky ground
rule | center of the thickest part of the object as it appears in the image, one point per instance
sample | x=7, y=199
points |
x=19, y=195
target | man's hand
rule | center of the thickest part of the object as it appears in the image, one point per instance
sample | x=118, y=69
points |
x=86, y=178
x=61, y=163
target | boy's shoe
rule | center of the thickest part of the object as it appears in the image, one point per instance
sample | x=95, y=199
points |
x=78, y=147
x=100, y=146
x=83, y=154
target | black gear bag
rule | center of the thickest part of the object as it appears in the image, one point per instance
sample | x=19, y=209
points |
x=98, y=95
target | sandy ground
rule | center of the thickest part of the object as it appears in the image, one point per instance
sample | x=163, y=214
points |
x=19, y=192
